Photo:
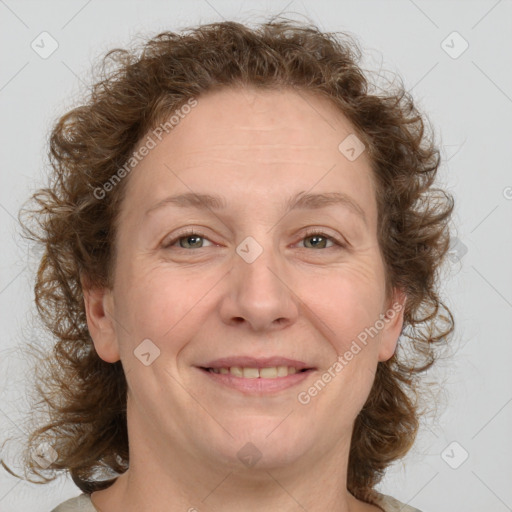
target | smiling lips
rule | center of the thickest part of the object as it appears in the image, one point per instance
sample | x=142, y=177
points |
x=253, y=364
x=249, y=374
x=269, y=372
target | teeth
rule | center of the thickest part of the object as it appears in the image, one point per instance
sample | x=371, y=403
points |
x=236, y=371
x=254, y=373
x=282, y=371
x=269, y=373
x=250, y=373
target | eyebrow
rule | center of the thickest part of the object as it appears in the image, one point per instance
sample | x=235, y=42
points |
x=301, y=200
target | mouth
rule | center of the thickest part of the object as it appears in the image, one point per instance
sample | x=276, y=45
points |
x=256, y=381
x=271, y=372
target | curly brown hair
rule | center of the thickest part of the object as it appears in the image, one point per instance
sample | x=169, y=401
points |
x=140, y=88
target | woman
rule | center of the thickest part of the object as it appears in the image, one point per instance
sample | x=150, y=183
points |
x=242, y=244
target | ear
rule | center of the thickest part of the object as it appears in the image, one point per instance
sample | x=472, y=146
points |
x=99, y=308
x=393, y=319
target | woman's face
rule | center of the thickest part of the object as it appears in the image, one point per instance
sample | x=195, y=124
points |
x=251, y=283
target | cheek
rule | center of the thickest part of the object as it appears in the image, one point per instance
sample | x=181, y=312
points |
x=351, y=309
x=157, y=304
x=349, y=305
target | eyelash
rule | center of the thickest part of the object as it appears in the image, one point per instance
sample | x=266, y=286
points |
x=310, y=233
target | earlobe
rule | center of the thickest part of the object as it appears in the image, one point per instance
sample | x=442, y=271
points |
x=393, y=321
x=99, y=311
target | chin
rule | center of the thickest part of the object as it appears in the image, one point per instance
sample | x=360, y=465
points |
x=262, y=443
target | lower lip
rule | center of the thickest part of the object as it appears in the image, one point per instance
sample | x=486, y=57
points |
x=259, y=385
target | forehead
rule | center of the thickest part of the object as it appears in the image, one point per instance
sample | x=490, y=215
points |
x=252, y=117
x=264, y=141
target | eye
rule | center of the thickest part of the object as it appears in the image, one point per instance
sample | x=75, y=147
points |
x=316, y=235
x=187, y=237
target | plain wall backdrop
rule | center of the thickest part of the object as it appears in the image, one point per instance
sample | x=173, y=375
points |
x=455, y=58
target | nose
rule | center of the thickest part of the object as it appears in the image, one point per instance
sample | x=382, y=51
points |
x=259, y=294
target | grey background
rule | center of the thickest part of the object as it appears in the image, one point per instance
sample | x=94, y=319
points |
x=469, y=102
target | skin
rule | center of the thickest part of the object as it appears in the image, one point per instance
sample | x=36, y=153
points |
x=202, y=301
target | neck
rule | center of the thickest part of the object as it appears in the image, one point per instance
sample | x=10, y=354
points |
x=185, y=485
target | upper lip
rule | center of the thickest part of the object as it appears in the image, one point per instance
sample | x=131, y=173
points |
x=256, y=362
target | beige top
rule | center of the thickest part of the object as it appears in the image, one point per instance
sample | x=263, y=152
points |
x=83, y=503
